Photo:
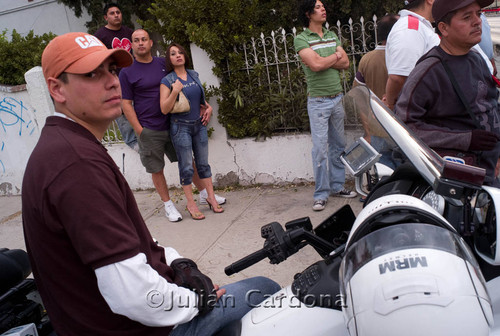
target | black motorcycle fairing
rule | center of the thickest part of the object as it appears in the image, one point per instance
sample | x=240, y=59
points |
x=404, y=180
x=318, y=285
x=335, y=229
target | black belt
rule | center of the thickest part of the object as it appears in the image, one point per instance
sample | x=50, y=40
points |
x=332, y=96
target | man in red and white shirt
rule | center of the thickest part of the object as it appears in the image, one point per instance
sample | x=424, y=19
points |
x=410, y=38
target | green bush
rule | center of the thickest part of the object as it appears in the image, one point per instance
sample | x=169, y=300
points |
x=20, y=54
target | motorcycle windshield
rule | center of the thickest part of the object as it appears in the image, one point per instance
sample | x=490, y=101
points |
x=403, y=237
x=386, y=133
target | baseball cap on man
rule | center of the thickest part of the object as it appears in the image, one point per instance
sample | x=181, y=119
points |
x=79, y=53
x=407, y=2
x=442, y=7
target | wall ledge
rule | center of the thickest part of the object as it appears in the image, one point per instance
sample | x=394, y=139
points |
x=12, y=88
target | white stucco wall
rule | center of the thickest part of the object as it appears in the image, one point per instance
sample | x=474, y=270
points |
x=18, y=135
x=281, y=159
x=23, y=110
x=41, y=16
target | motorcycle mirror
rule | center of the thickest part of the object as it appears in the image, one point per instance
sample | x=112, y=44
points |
x=304, y=222
x=464, y=173
x=335, y=228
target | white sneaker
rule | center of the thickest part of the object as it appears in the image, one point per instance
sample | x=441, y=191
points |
x=203, y=198
x=172, y=214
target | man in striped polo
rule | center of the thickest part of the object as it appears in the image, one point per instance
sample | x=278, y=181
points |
x=322, y=57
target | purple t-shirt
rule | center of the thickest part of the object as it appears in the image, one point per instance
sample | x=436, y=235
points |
x=140, y=83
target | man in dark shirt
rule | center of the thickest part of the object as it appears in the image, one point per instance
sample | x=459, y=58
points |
x=429, y=103
x=372, y=70
x=97, y=268
x=115, y=35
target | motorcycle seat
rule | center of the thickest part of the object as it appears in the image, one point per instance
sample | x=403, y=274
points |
x=15, y=266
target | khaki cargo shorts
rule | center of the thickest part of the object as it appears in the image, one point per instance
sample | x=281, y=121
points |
x=153, y=145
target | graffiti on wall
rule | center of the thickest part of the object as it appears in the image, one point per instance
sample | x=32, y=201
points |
x=13, y=113
x=16, y=120
x=2, y=166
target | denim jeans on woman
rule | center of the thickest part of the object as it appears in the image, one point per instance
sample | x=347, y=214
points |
x=189, y=138
x=240, y=297
x=326, y=117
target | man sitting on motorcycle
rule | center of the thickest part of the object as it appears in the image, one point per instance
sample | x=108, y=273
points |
x=450, y=98
x=97, y=268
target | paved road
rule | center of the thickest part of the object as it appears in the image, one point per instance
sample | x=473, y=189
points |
x=220, y=239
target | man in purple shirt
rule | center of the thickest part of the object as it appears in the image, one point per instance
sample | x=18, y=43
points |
x=141, y=104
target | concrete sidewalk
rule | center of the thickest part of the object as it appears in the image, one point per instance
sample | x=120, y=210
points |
x=220, y=239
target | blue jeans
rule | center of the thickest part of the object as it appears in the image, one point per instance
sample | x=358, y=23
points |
x=189, y=138
x=240, y=297
x=326, y=117
x=128, y=134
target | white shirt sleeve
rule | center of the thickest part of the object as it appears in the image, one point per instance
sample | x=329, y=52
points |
x=171, y=254
x=483, y=55
x=403, y=51
x=134, y=289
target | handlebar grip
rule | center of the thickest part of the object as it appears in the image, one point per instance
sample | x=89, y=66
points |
x=245, y=262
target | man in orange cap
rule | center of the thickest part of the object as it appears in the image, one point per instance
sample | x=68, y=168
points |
x=450, y=99
x=97, y=268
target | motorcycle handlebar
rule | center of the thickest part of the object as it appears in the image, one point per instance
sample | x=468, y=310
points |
x=245, y=262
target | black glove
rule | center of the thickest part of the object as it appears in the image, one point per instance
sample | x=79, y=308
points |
x=189, y=276
x=482, y=140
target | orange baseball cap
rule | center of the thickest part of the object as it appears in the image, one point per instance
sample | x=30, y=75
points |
x=79, y=53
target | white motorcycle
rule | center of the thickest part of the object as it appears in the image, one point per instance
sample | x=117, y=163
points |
x=406, y=264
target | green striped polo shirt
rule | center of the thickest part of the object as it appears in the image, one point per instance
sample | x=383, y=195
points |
x=326, y=82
